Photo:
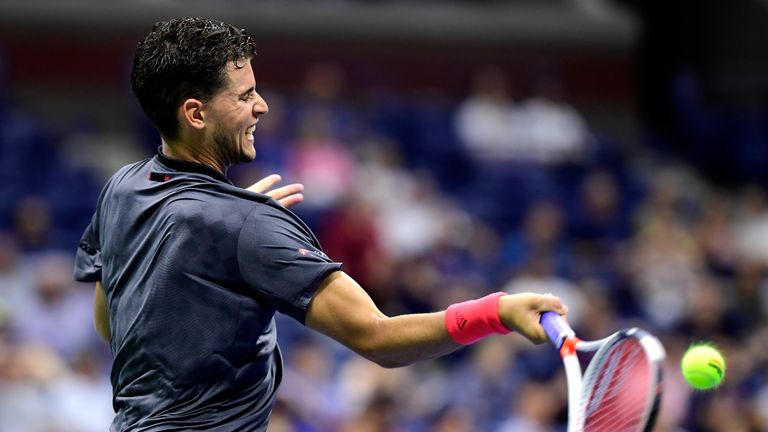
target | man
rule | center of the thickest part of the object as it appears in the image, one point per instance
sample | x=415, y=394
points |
x=190, y=269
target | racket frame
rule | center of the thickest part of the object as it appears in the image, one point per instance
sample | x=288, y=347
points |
x=565, y=341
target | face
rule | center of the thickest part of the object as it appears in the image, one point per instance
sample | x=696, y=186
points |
x=232, y=115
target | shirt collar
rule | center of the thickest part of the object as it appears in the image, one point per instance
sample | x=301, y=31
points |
x=187, y=166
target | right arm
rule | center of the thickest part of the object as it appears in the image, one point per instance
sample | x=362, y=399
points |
x=342, y=310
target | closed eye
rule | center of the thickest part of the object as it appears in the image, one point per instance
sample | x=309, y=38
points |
x=248, y=94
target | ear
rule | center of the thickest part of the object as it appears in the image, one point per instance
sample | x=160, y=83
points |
x=192, y=113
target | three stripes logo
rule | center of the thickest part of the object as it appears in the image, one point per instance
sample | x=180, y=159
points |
x=461, y=322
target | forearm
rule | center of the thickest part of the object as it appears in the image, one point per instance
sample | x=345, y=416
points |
x=405, y=339
x=409, y=338
x=342, y=310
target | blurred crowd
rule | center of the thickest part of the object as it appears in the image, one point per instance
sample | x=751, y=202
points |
x=427, y=201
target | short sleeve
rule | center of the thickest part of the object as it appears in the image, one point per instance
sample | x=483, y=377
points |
x=88, y=257
x=281, y=260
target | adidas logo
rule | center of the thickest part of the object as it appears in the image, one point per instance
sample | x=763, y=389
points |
x=461, y=322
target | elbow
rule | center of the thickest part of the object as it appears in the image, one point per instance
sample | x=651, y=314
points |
x=388, y=365
x=383, y=361
x=393, y=365
x=375, y=340
x=381, y=351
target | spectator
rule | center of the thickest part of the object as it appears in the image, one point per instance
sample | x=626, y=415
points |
x=323, y=95
x=323, y=162
x=34, y=226
x=488, y=122
x=16, y=280
x=349, y=233
x=536, y=409
x=554, y=131
x=54, y=316
x=542, y=236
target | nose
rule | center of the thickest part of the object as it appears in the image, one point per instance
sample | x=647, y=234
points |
x=260, y=107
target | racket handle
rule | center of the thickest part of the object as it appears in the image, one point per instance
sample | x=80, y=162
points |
x=556, y=327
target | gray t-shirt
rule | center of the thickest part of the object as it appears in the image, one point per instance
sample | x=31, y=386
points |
x=194, y=269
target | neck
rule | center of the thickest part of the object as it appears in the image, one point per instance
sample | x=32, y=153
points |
x=181, y=152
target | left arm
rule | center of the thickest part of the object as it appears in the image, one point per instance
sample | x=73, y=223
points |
x=101, y=313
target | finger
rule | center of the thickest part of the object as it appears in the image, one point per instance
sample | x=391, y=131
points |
x=291, y=200
x=537, y=334
x=265, y=184
x=551, y=303
x=541, y=337
x=286, y=191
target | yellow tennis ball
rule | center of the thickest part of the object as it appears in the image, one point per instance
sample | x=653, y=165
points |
x=703, y=367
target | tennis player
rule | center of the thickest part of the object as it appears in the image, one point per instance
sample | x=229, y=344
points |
x=190, y=269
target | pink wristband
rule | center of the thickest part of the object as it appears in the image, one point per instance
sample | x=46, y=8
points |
x=472, y=320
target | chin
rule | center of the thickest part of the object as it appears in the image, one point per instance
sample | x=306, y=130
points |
x=247, y=155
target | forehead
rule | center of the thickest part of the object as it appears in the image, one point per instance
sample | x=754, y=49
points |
x=239, y=75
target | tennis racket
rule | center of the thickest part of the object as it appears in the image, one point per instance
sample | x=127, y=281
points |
x=620, y=389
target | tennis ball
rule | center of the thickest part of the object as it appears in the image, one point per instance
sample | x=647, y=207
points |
x=703, y=366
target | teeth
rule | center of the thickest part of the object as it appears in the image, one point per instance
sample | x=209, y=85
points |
x=249, y=132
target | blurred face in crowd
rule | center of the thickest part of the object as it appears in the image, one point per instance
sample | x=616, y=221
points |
x=232, y=113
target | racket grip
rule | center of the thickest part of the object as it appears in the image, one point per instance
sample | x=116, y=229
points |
x=556, y=327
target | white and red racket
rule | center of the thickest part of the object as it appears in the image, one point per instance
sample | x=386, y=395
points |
x=620, y=389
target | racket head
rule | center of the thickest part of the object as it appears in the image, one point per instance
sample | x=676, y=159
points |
x=622, y=385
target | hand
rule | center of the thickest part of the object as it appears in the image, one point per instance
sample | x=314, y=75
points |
x=522, y=312
x=287, y=195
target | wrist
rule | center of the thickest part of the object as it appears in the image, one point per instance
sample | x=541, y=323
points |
x=468, y=322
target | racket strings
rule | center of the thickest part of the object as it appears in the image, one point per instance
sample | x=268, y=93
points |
x=616, y=389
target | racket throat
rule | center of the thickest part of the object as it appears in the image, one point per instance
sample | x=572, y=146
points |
x=569, y=346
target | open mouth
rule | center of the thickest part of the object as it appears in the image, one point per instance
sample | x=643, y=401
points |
x=249, y=132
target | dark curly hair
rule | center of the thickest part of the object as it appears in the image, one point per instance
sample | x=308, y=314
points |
x=184, y=58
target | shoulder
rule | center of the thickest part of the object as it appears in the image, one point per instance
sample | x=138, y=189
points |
x=218, y=210
x=124, y=177
x=273, y=214
x=129, y=171
x=119, y=180
x=272, y=225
